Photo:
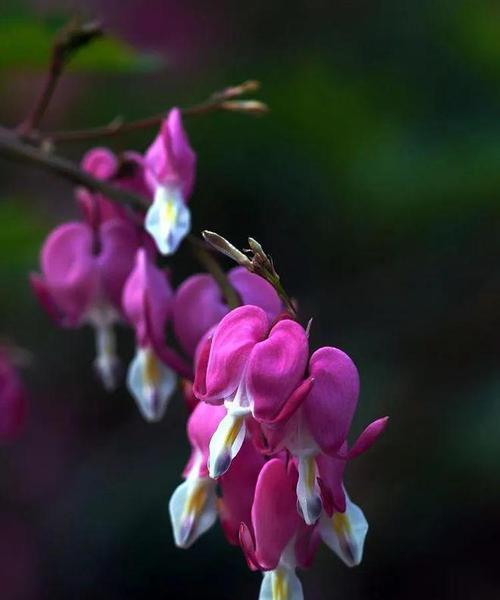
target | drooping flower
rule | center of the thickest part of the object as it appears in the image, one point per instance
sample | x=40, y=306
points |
x=13, y=403
x=322, y=423
x=147, y=303
x=276, y=540
x=126, y=172
x=83, y=271
x=255, y=369
x=193, y=505
x=169, y=165
x=198, y=303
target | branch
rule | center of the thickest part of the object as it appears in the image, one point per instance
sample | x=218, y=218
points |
x=200, y=251
x=70, y=39
x=14, y=149
x=220, y=101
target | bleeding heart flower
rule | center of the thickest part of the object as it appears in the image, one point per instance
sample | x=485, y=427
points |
x=193, y=505
x=323, y=422
x=126, y=172
x=147, y=303
x=276, y=539
x=169, y=165
x=83, y=273
x=199, y=305
x=255, y=369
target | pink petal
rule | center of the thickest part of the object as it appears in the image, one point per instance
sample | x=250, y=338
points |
x=331, y=475
x=119, y=244
x=197, y=307
x=307, y=542
x=255, y=290
x=274, y=512
x=69, y=269
x=97, y=209
x=369, y=436
x=330, y=406
x=100, y=162
x=275, y=368
x=202, y=424
x=233, y=340
x=147, y=299
x=44, y=298
x=293, y=403
x=170, y=158
x=238, y=488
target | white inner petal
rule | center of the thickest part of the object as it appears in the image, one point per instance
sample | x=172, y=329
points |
x=168, y=219
x=107, y=363
x=225, y=444
x=151, y=383
x=345, y=533
x=281, y=584
x=308, y=492
x=193, y=509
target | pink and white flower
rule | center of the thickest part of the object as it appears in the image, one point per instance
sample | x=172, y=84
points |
x=83, y=270
x=169, y=166
x=255, y=369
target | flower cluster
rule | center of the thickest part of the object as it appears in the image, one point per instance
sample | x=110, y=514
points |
x=269, y=419
x=270, y=432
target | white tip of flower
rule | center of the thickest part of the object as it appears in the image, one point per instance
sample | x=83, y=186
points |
x=225, y=444
x=308, y=493
x=107, y=364
x=281, y=584
x=151, y=383
x=345, y=533
x=193, y=510
x=168, y=219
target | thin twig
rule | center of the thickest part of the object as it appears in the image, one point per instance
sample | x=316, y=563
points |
x=219, y=101
x=14, y=149
x=203, y=255
x=70, y=39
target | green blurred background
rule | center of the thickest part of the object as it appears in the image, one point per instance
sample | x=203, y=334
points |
x=375, y=184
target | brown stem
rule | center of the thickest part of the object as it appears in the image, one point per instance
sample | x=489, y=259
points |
x=72, y=37
x=14, y=149
x=203, y=255
x=217, y=102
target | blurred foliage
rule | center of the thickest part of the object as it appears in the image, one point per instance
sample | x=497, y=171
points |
x=25, y=43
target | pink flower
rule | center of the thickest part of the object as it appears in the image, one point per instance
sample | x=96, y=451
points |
x=13, y=403
x=323, y=422
x=253, y=368
x=193, y=505
x=198, y=303
x=276, y=540
x=170, y=171
x=238, y=490
x=83, y=273
x=147, y=303
x=126, y=173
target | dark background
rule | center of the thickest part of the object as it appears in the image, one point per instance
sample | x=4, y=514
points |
x=374, y=183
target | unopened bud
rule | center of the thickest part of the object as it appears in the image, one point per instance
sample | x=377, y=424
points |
x=222, y=245
x=254, y=107
x=247, y=87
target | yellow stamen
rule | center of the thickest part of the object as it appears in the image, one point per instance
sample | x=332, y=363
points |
x=341, y=524
x=196, y=501
x=310, y=472
x=233, y=432
x=169, y=213
x=152, y=373
x=280, y=585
